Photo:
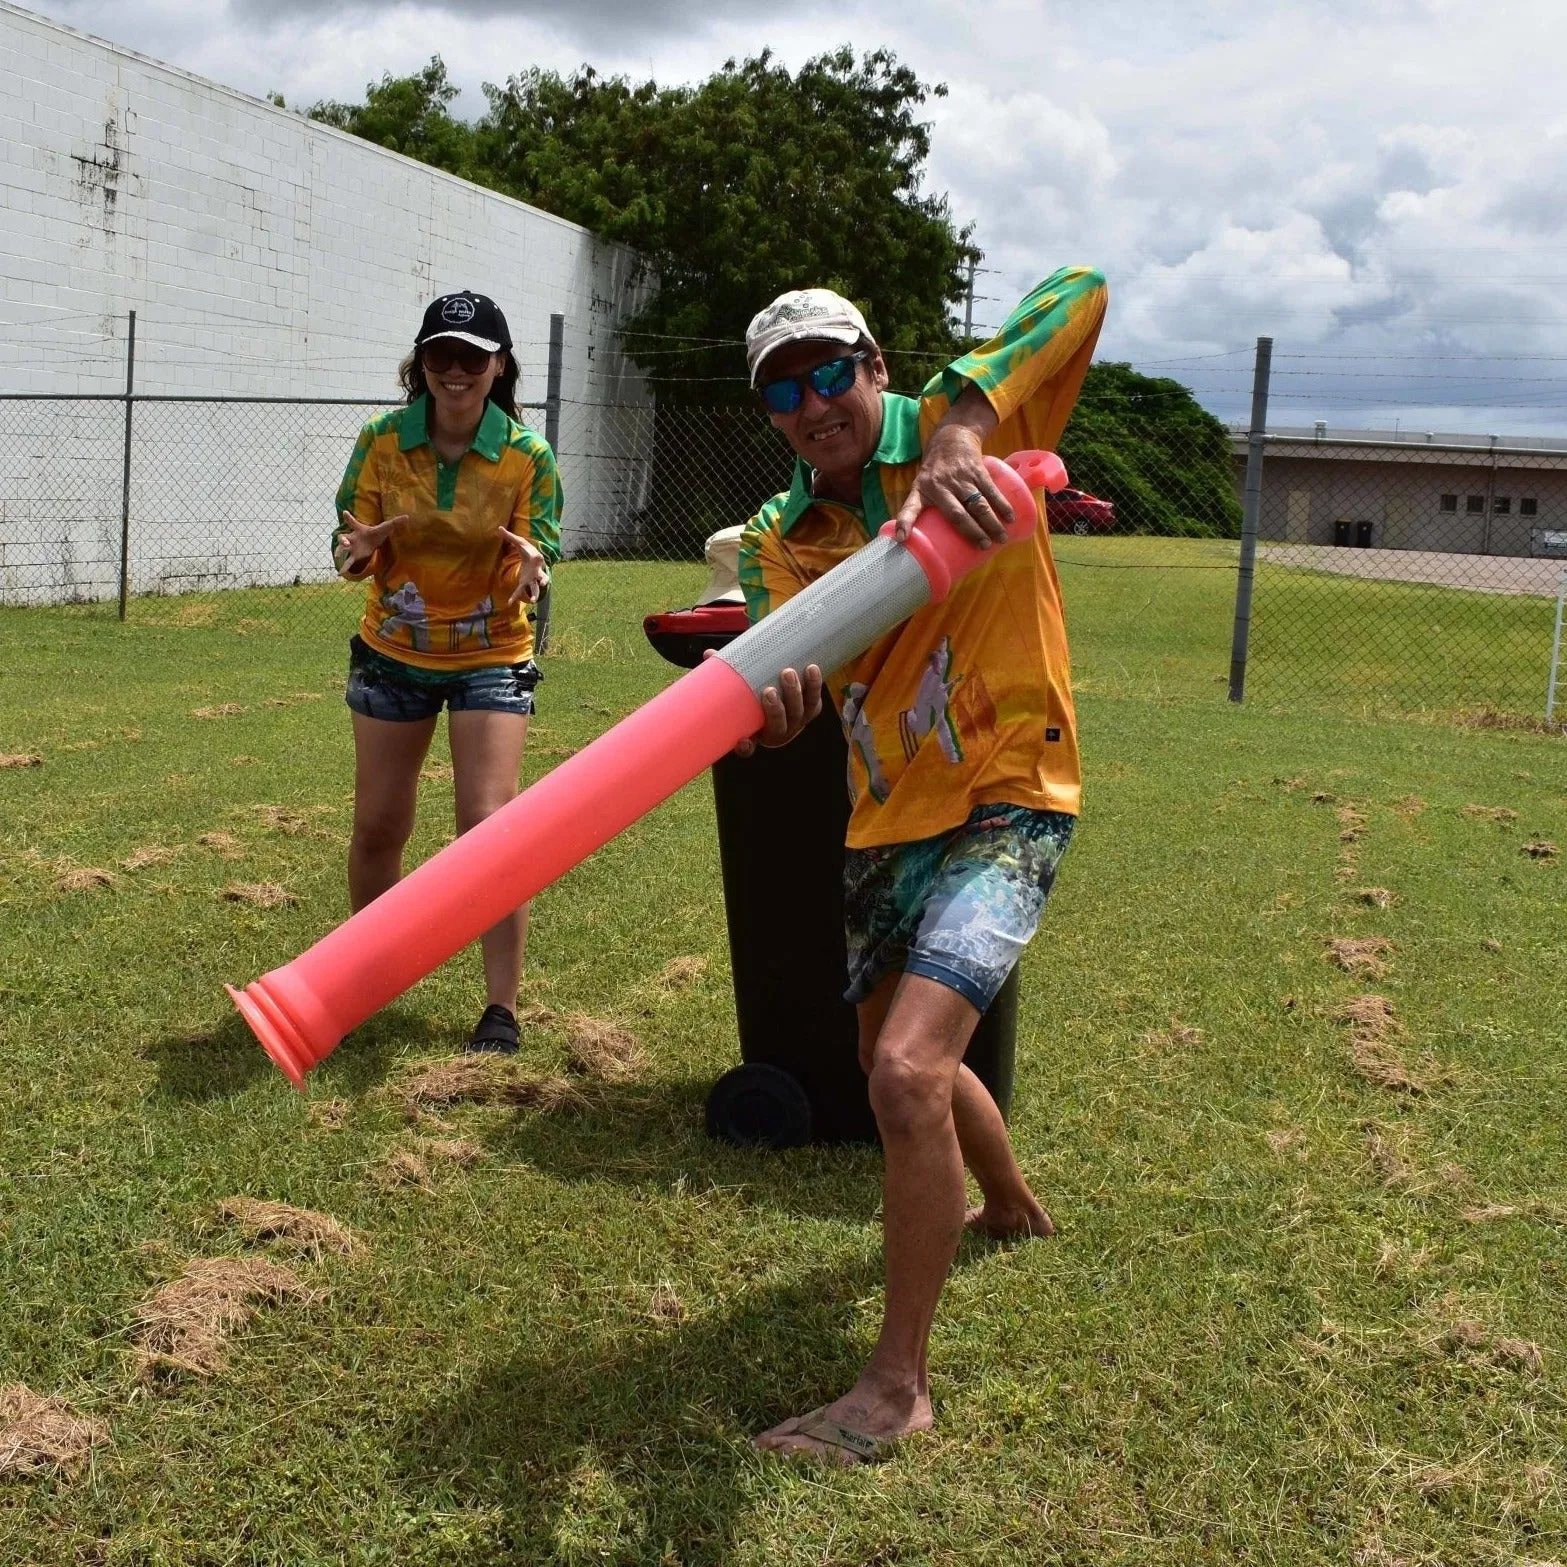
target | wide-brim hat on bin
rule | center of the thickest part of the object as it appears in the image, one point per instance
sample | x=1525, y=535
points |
x=803, y=315
x=470, y=318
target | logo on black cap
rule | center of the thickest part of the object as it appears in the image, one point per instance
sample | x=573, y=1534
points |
x=473, y=317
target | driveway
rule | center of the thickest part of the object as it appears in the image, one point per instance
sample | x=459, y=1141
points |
x=1478, y=573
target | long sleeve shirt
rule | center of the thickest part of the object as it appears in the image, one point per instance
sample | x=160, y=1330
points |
x=968, y=702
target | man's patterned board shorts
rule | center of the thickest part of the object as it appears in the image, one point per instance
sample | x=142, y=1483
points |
x=958, y=908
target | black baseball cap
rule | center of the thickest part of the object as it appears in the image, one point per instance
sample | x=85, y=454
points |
x=471, y=318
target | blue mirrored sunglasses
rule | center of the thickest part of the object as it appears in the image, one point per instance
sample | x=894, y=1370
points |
x=832, y=379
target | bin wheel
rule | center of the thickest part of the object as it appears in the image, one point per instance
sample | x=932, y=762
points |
x=759, y=1104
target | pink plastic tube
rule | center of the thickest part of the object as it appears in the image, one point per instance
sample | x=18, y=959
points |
x=301, y=1011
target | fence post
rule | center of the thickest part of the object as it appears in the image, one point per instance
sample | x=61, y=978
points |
x=125, y=476
x=1251, y=510
x=541, y=625
x=1556, y=649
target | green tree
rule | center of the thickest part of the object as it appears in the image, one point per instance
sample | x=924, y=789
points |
x=1145, y=443
x=751, y=182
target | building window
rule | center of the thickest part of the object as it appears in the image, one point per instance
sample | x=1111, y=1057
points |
x=1474, y=503
x=1528, y=506
x=1501, y=505
x=1449, y=503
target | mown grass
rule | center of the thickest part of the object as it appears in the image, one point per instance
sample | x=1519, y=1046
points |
x=1281, y=1321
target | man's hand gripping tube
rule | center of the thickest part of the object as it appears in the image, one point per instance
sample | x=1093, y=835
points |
x=299, y=1012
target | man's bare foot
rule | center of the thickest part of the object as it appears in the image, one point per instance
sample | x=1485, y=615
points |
x=1009, y=1224
x=850, y=1430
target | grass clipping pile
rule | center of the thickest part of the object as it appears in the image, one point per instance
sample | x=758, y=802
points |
x=43, y=1435
x=183, y=1326
x=303, y=1229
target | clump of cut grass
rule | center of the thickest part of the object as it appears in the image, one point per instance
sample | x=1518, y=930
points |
x=41, y=1435
x=330, y=1114
x=21, y=759
x=220, y=710
x=1410, y=805
x=1352, y=821
x=482, y=1080
x=1360, y=955
x=1387, y=1148
x=681, y=973
x=278, y=818
x=1178, y=1036
x=303, y=1228
x=1502, y=815
x=451, y=1150
x=184, y=1325
x=1375, y=897
x=1373, y=1025
x=666, y=1305
x=598, y=1048
x=1490, y=718
x=401, y=1167
x=436, y=772
x=1544, y=850
x=260, y=894
x=148, y=854
x=84, y=878
x=1491, y=944
x=1287, y=1139
x=224, y=843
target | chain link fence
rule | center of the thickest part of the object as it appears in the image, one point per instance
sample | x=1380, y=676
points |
x=1397, y=574
x=1409, y=573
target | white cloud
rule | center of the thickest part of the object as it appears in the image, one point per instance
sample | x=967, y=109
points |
x=1374, y=186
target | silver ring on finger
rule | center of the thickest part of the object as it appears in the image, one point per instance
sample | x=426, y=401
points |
x=969, y=499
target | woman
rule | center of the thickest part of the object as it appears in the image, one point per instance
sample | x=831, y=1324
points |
x=450, y=510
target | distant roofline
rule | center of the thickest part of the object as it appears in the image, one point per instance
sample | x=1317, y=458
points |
x=1402, y=440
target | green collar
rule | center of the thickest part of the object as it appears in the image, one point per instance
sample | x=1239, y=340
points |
x=489, y=440
x=899, y=443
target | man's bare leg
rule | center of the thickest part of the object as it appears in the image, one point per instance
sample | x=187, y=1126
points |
x=1010, y=1210
x=915, y=1031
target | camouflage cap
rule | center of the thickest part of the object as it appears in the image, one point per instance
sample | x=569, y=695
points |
x=803, y=315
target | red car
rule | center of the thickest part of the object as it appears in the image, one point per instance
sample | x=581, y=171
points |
x=1076, y=511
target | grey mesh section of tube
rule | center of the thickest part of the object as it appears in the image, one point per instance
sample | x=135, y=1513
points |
x=836, y=617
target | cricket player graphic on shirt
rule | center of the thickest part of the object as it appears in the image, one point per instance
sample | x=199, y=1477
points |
x=932, y=710
x=476, y=625
x=861, y=738
x=407, y=613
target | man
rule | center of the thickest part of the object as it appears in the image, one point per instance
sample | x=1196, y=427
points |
x=963, y=765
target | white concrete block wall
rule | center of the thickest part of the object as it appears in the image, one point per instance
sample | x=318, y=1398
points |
x=264, y=255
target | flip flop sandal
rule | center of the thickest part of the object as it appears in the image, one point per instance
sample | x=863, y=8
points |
x=861, y=1446
x=495, y=1033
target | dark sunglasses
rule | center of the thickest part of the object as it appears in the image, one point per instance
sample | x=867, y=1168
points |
x=439, y=357
x=832, y=379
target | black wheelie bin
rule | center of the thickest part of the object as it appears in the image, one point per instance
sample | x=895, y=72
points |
x=782, y=814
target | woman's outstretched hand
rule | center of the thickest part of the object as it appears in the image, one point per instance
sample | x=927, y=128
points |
x=534, y=574
x=358, y=541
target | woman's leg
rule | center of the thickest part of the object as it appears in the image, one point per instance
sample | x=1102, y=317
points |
x=486, y=759
x=387, y=757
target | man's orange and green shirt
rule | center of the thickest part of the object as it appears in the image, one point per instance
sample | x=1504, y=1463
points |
x=968, y=702
x=439, y=585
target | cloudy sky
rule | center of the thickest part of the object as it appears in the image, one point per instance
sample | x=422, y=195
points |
x=1379, y=185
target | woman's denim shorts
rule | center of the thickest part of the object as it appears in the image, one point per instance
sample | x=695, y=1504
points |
x=380, y=687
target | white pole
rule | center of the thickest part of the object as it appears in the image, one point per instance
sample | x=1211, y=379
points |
x=1556, y=648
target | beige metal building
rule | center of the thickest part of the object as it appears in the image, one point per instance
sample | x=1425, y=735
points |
x=1454, y=494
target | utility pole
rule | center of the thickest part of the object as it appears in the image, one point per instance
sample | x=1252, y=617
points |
x=968, y=305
